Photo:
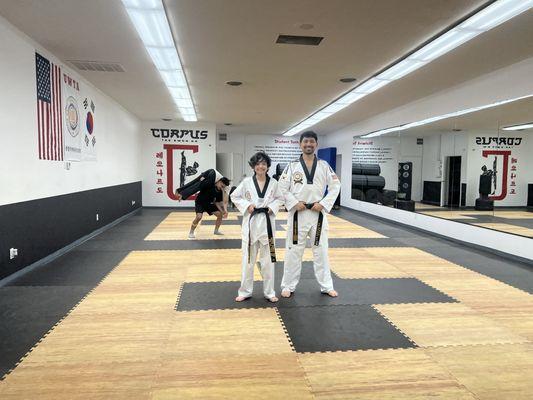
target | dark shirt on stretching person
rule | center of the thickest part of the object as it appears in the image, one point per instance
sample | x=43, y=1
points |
x=212, y=197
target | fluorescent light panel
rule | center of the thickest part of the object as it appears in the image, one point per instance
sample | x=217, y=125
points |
x=488, y=18
x=151, y=23
x=164, y=58
x=519, y=127
x=450, y=115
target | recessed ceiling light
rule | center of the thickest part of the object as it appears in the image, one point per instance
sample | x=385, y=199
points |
x=234, y=83
x=520, y=127
x=306, y=27
x=347, y=80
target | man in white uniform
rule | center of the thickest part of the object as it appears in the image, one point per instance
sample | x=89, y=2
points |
x=258, y=198
x=303, y=184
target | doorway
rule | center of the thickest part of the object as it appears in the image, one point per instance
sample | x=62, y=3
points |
x=454, y=181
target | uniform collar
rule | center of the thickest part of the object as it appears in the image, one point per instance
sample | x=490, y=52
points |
x=261, y=194
x=309, y=176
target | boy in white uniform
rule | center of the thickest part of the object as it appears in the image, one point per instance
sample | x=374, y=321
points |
x=303, y=184
x=258, y=198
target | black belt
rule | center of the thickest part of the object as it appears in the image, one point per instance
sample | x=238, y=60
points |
x=318, y=226
x=263, y=210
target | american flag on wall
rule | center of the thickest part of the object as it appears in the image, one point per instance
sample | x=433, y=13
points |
x=49, y=109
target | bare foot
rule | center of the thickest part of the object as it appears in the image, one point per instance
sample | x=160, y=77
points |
x=273, y=299
x=332, y=293
x=178, y=196
x=241, y=298
x=286, y=293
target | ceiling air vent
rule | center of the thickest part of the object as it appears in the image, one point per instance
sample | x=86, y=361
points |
x=97, y=66
x=305, y=40
x=222, y=137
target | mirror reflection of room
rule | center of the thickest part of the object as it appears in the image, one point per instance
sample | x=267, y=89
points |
x=474, y=168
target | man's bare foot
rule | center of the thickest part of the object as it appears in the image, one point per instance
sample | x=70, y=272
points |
x=286, y=293
x=241, y=298
x=332, y=293
x=273, y=299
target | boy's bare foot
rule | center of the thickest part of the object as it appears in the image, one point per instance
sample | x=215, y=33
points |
x=286, y=293
x=273, y=299
x=241, y=298
x=332, y=293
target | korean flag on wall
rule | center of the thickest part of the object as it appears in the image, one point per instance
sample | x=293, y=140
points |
x=89, y=140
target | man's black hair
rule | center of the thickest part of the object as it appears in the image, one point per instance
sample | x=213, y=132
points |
x=308, y=134
x=224, y=180
x=259, y=157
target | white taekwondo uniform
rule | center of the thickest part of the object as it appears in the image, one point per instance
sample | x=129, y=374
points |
x=255, y=236
x=298, y=184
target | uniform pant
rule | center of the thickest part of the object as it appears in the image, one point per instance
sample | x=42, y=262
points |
x=292, y=267
x=266, y=268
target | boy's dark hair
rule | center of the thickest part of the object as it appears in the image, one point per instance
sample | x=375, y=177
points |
x=224, y=180
x=259, y=157
x=308, y=134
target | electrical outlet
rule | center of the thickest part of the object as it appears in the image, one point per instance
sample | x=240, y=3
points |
x=13, y=253
x=97, y=217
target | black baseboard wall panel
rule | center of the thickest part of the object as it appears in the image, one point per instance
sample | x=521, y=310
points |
x=38, y=228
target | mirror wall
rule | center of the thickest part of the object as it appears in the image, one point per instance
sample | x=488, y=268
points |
x=469, y=169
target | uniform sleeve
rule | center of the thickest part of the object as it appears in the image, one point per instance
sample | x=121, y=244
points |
x=209, y=179
x=284, y=185
x=334, y=187
x=237, y=197
x=277, y=198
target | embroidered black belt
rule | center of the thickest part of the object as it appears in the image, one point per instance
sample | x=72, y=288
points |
x=263, y=210
x=318, y=226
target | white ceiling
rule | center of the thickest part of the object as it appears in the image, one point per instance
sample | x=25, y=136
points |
x=221, y=40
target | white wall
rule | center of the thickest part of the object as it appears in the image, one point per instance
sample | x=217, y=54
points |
x=22, y=175
x=431, y=159
x=233, y=144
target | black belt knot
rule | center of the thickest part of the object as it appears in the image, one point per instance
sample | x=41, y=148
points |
x=318, y=226
x=256, y=211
